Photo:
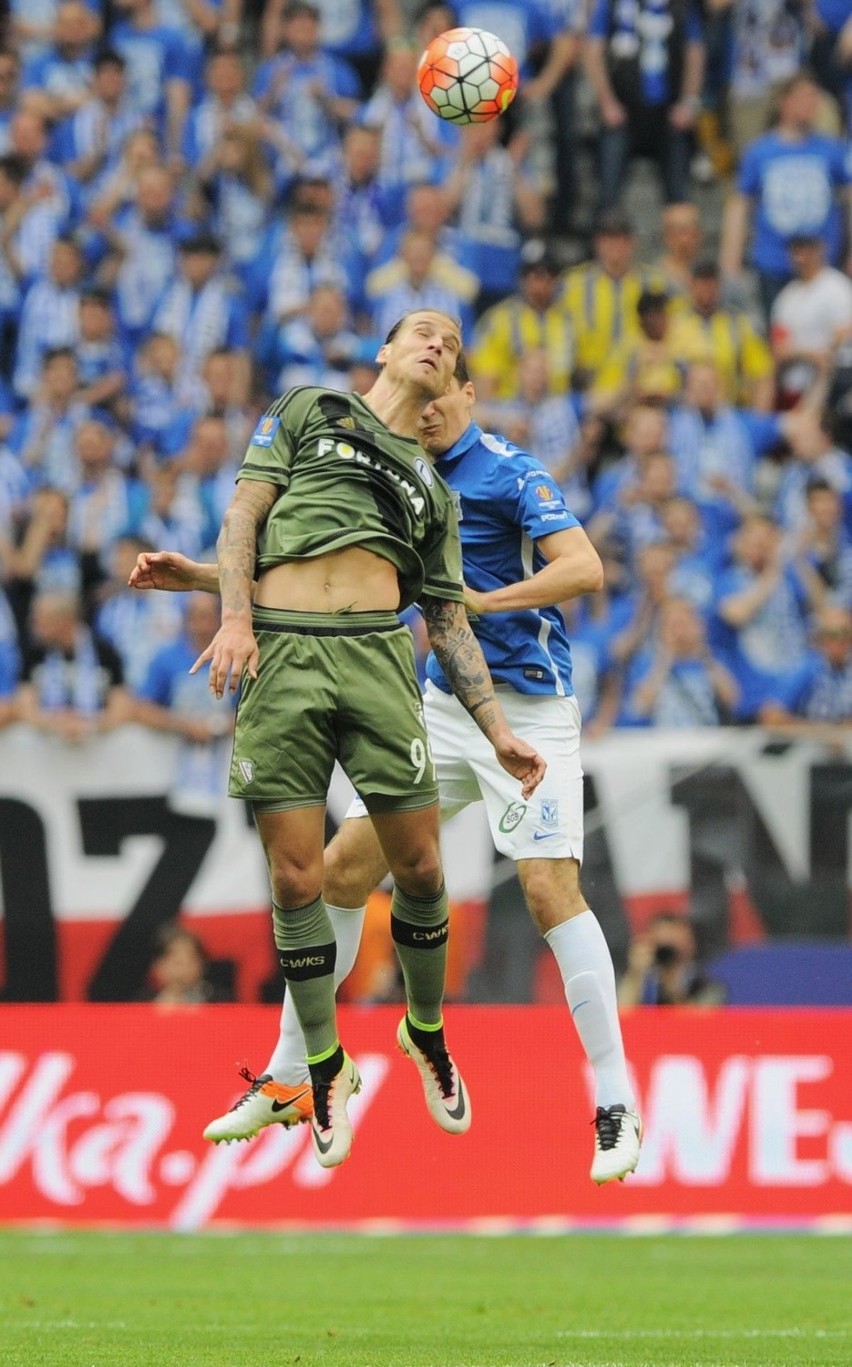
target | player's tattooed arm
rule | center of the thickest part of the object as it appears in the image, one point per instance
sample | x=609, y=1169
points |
x=460, y=656
x=233, y=650
x=236, y=547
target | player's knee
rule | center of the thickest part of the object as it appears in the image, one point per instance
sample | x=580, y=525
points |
x=294, y=884
x=419, y=871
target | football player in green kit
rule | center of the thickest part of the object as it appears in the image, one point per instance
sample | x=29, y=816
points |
x=342, y=522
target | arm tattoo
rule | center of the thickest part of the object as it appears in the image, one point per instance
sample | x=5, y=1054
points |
x=460, y=656
x=236, y=547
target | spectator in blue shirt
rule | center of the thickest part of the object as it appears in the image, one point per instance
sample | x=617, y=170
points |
x=159, y=76
x=814, y=455
x=825, y=546
x=177, y=702
x=136, y=625
x=142, y=239
x=646, y=63
x=201, y=26
x=107, y=502
x=174, y=514
x=72, y=682
x=210, y=468
x=677, y=682
x=415, y=146
x=314, y=348
x=64, y=73
x=792, y=181
x=161, y=420
x=760, y=627
x=302, y=253
x=91, y=141
x=103, y=363
x=226, y=103
x=353, y=30
x=44, y=559
x=361, y=210
x=43, y=437
x=419, y=277
x=33, y=22
x=698, y=558
x=201, y=309
x=50, y=317
x=816, y=698
x=52, y=197
x=234, y=190
x=495, y=198
x=716, y=448
x=306, y=94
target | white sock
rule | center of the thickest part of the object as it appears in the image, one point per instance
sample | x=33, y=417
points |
x=287, y=1063
x=585, y=963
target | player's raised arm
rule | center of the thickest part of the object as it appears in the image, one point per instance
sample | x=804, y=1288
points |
x=461, y=658
x=173, y=572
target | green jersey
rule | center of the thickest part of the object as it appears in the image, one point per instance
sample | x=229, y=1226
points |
x=347, y=480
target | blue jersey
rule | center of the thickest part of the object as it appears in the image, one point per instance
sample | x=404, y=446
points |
x=506, y=502
x=796, y=186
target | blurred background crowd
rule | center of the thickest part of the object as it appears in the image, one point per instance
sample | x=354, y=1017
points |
x=203, y=202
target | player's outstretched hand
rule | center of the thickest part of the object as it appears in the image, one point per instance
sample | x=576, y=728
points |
x=232, y=651
x=522, y=761
x=163, y=570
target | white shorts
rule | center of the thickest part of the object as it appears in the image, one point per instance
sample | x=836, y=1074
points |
x=550, y=825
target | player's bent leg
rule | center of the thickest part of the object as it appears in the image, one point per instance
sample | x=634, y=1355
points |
x=419, y=926
x=557, y=906
x=353, y=865
x=293, y=845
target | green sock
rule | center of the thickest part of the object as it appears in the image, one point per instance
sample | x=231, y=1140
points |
x=419, y=928
x=308, y=951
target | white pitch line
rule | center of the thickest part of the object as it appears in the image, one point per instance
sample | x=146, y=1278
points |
x=627, y=1334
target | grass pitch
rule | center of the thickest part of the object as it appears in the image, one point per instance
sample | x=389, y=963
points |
x=150, y=1300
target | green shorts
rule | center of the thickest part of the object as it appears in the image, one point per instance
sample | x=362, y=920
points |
x=337, y=686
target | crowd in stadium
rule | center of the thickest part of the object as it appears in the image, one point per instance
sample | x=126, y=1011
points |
x=205, y=202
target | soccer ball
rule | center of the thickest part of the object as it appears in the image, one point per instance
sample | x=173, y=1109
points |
x=467, y=75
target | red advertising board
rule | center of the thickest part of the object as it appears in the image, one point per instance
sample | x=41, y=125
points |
x=748, y=1117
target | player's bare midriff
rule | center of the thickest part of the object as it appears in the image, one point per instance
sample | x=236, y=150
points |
x=349, y=579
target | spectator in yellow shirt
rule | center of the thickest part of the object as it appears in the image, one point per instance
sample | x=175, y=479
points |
x=600, y=297
x=645, y=368
x=533, y=319
x=706, y=331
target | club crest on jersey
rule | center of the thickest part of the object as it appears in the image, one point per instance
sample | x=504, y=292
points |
x=423, y=470
x=265, y=431
x=550, y=812
x=246, y=768
x=457, y=504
